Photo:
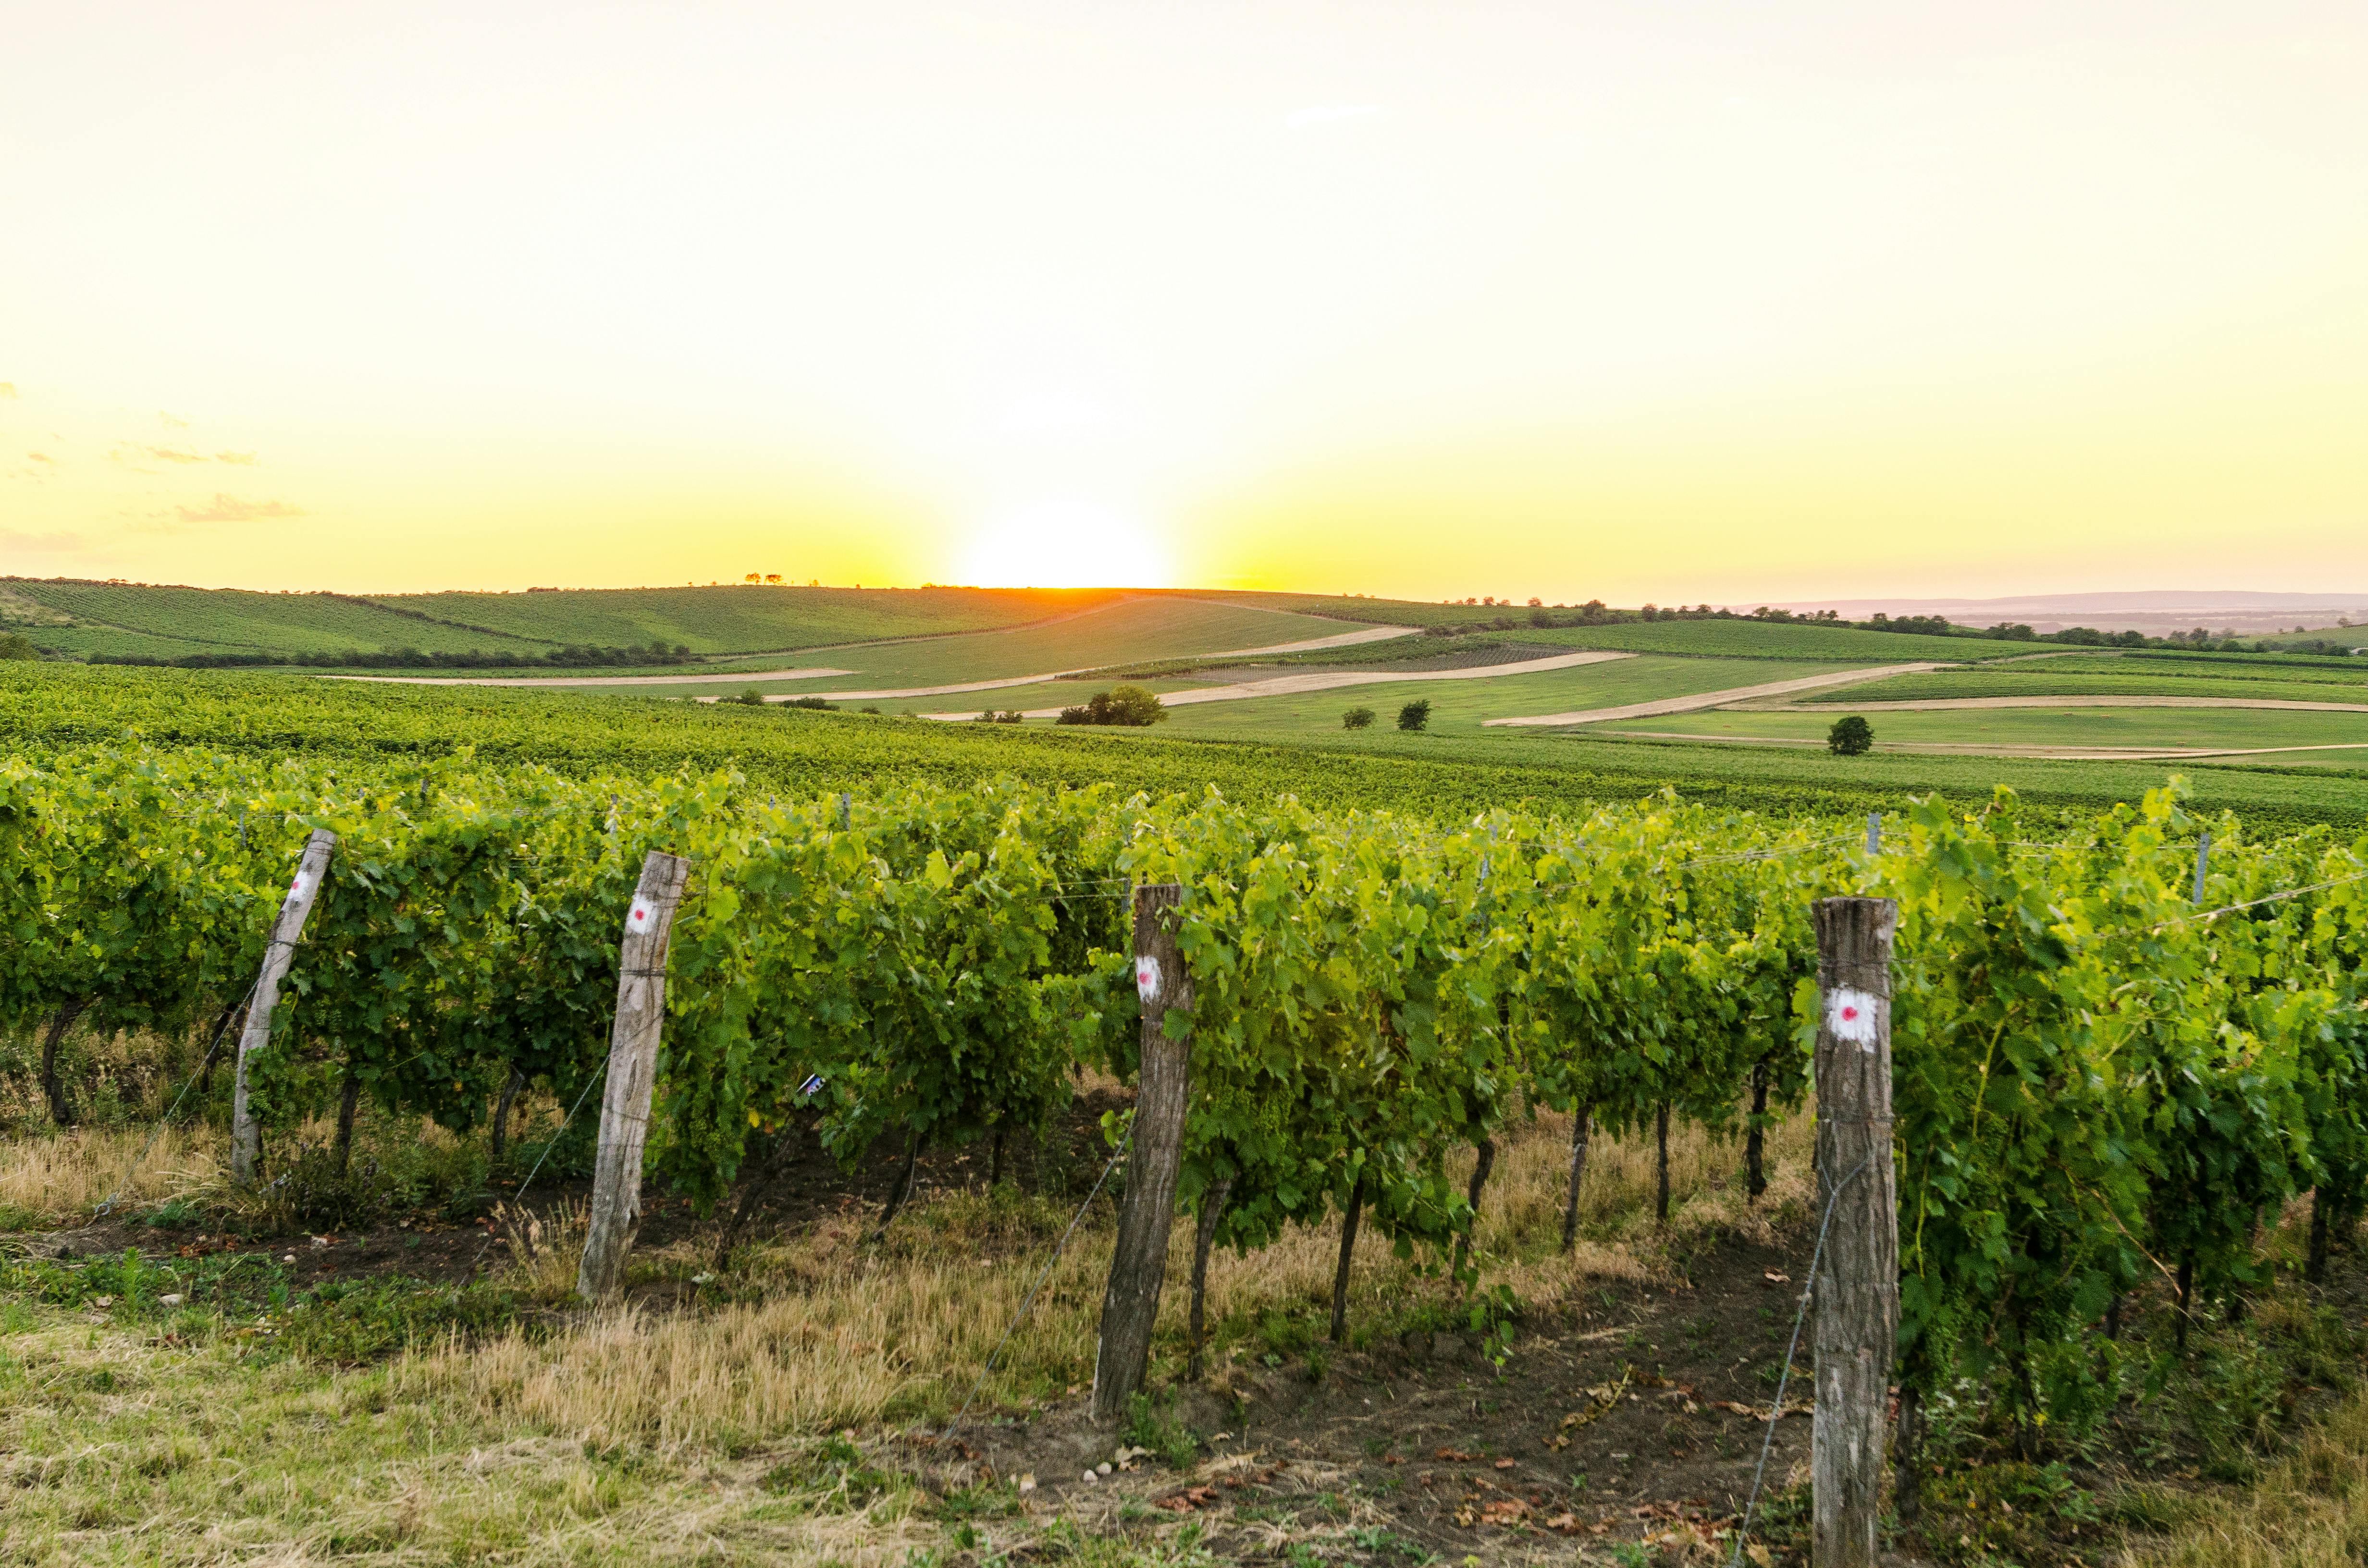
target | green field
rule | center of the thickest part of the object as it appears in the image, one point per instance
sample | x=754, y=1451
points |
x=220, y=620
x=741, y=618
x=2069, y=727
x=1775, y=639
x=2046, y=680
x=1456, y=705
x=138, y=618
x=1452, y=771
x=1459, y=707
x=1122, y=632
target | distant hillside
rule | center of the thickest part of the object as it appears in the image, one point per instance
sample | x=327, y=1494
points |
x=119, y=620
x=2156, y=613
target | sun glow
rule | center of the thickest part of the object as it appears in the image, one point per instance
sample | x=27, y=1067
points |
x=1728, y=301
x=1065, y=543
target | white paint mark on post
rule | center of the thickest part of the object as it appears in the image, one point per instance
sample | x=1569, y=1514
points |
x=1849, y=1015
x=638, y=917
x=1146, y=977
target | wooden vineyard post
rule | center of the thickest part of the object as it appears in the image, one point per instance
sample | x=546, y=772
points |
x=1139, y=1263
x=287, y=930
x=632, y=1067
x=1857, y=1283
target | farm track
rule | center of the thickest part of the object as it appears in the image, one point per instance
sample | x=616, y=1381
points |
x=2003, y=748
x=744, y=677
x=1943, y=704
x=1333, y=680
x=1699, y=700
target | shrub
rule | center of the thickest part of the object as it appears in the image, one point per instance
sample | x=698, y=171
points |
x=1852, y=737
x=1415, y=715
x=1132, y=706
x=16, y=645
x=752, y=698
x=815, y=703
x=1357, y=719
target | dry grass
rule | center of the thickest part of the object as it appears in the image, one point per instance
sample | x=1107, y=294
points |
x=837, y=1332
x=2309, y=1511
x=65, y=1175
x=648, y=1435
x=60, y=1177
x=546, y=1249
x=652, y=1435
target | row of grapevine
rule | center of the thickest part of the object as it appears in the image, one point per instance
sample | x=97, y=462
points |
x=2096, y=1078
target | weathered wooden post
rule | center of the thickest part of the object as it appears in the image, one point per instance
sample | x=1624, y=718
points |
x=1139, y=1263
x=287, y=930
x=632, y=1068
x=1857, y=1283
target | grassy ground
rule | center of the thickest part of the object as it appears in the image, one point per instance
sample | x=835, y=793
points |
x=1459, y=707
x=233, y=620
x=2037, y=727
x=695, y=1425
x=118, y=617
x=1775, y=639
x=1138, y=628
x=741, y=618
x=2049, y=679
x=222, y=1395
x=43, y=706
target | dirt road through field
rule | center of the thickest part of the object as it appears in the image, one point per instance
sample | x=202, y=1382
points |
x=1333, y=680
x=745, y=677
x=1943, y=704
x=2002, y=748
x=1701, y=700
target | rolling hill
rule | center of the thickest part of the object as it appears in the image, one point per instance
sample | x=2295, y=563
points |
x=135, y=619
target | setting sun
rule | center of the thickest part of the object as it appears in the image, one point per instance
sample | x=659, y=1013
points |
x=1064, y=544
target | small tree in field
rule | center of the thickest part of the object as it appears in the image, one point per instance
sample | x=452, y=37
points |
x=1852, y=737
x=1133, y=706
x=1415, y=714
x=1357, y=719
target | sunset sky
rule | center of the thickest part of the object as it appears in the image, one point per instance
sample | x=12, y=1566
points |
x=1678, y=301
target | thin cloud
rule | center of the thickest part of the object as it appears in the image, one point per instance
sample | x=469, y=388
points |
x=7, y=389
x=131, y=453
x=44, y=545
x=230, y=509
x=169, y=423
x=1325, y=114
x=42, y=458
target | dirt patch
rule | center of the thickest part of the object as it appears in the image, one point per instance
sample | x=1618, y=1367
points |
x=1633, y=1414
x=810, y=1186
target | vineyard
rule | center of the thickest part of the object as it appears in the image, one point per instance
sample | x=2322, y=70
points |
x=2118, y=1048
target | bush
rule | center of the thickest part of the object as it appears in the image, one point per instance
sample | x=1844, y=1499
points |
x=1128, y=705
x=1012, y=716
x=16, y=645
x=1852, y=737
x=1357, y=719
x=816, y=704
x=752, y=698
x=1415, y=715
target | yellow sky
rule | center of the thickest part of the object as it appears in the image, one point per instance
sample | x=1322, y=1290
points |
x=1679, y=303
